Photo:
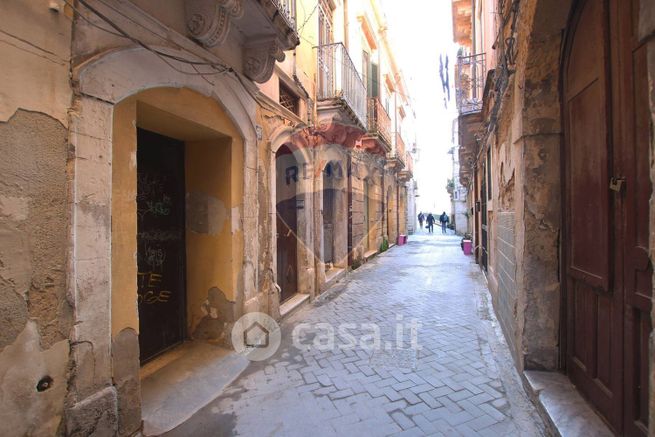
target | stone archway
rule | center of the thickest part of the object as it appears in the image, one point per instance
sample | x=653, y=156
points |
x=100, y=84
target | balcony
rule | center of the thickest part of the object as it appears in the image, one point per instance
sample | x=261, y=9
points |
x=378, y=136
x=397, y=158
x=379, y=122
x=408, y=172
x=470, y=76
x=399, y=148
x=340, y=88
x=263, y=28
x=287, y=10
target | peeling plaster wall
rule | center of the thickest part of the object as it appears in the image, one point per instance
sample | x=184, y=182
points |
x=35, y=313
x=210, y=290
x=35, y=309
x=35, y=49
x=526, y=183
x=105, y=385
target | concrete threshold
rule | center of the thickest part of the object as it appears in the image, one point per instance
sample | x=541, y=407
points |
x=289, y=306
x=561, y=406
x=178, y=384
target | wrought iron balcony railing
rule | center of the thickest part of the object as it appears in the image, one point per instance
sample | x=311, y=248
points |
x=379, y=122
x=287, y=9
x=469, y=82
x=399, y=147
x=338, y=79
x=409, y=164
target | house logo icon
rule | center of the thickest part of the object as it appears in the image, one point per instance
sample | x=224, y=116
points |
x=257, y=336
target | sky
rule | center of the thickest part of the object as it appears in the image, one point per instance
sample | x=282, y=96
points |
x=420, y=31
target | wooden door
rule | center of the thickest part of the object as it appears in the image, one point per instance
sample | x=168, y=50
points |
x=631, y=136
x=287, y=223
x=607, y=187
x=160, y=243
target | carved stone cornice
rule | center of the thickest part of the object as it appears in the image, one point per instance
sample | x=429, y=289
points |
x=259, y=59
x=264, y=25
x=208, y=21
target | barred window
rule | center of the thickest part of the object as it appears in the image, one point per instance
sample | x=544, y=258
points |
x=288, y=99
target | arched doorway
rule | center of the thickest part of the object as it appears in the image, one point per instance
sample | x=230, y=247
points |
x=286, y=184
x=606, y=194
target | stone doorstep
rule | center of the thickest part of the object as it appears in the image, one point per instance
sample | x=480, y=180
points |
x=369, y=255
x=291, y=305
x=181, y=382
x=562, y=407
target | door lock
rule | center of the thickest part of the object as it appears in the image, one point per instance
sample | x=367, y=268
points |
x=616, y=184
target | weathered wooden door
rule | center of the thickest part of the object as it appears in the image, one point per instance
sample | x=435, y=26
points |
x=287, y=223
x=631, y=136
x=160, y=243
x=608, y=275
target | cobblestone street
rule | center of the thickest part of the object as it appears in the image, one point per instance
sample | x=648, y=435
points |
x=460, y=382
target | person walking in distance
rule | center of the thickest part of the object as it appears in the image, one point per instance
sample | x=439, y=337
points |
x=443, y=219
x=421, y=219
x=430, y=221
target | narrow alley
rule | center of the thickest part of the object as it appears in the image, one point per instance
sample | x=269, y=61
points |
x=460, y=381
x=327, y=218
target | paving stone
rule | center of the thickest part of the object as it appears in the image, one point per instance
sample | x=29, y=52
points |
x=429, y=400
x=402, y=420
x=451, y=387
x=341, y=394
x=410, y=397
x=460, y=395
x=481, y=422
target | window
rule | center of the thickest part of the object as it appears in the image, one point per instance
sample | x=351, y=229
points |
x=288, y=99
x=324, y=23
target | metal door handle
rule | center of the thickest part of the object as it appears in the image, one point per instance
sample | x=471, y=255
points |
x=616, y=184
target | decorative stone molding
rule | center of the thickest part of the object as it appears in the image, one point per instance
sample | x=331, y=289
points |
x=259, y=59
x=208, y=21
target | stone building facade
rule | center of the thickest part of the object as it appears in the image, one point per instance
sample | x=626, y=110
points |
x=170, y=168
x=459, y=208
x=556, y=103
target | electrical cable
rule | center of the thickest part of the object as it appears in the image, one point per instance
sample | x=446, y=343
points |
x=217, y=66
